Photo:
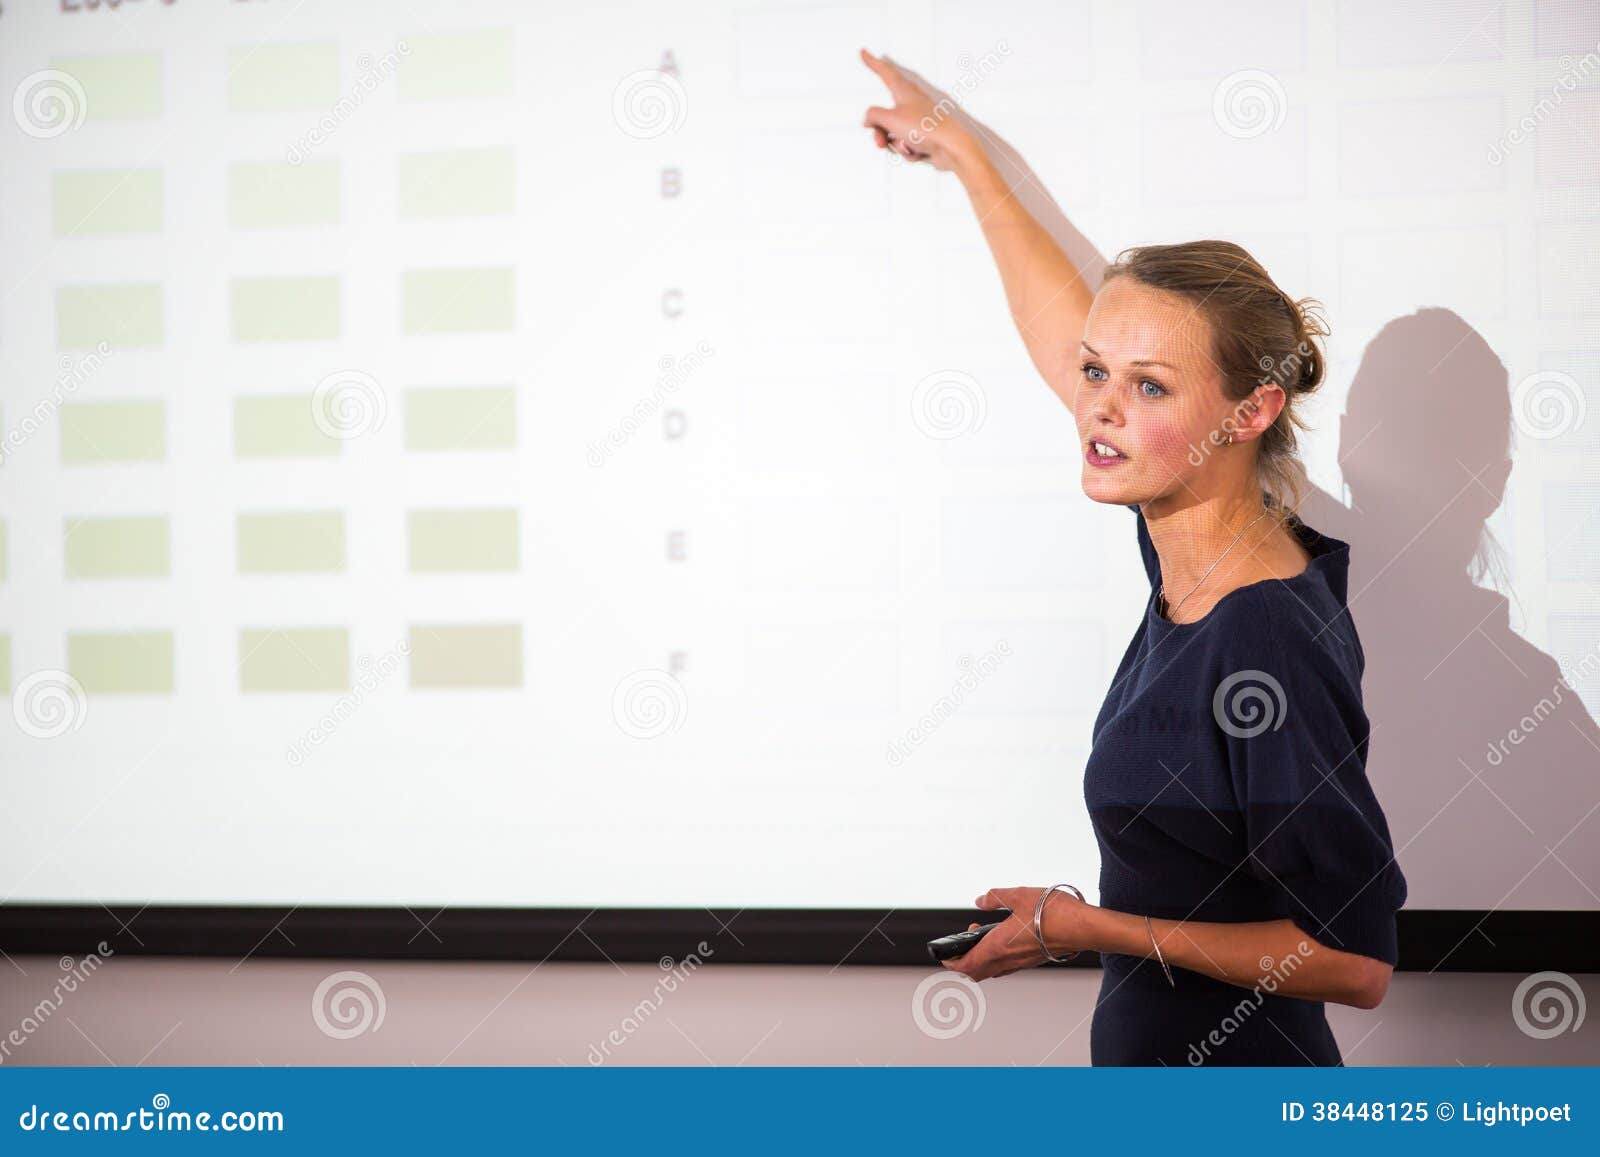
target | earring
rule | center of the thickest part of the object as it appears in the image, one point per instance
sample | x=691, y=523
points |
x=1228, y=441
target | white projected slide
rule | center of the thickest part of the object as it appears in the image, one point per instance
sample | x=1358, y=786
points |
x=535, y=454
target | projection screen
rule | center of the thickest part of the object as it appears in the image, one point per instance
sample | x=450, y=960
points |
x=544, y=456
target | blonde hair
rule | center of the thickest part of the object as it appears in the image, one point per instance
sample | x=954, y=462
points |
x=1260, y=336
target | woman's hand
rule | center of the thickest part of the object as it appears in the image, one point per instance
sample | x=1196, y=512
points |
x=1012, y=946
x=915, y=127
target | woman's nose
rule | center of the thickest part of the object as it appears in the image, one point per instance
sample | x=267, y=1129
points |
x=1095, y=405
x=1104, y=408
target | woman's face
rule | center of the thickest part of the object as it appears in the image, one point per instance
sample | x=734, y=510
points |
x=1149, y=387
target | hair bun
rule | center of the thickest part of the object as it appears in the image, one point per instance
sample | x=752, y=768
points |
x=1309, y=326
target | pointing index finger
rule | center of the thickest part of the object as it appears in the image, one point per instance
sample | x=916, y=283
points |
x=885, y=70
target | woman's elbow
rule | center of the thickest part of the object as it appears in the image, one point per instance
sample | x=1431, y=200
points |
x=1370, y=984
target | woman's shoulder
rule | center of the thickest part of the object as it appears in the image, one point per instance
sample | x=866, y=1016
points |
x=1287, y=629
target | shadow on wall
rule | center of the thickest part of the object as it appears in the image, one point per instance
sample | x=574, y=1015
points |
x=1483, y=755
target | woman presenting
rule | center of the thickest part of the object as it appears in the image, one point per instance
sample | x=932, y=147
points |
x=1247, y=875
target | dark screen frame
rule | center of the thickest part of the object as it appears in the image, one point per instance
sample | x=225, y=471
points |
x=1449, y=940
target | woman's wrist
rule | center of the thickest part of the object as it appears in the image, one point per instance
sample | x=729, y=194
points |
x=972, y=166
x=1070, y=925
x=1097, y=930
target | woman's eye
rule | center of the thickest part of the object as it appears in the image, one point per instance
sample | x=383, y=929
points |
x=1096, y=374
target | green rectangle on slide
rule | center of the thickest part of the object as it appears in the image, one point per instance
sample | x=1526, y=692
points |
x=296, y=659
x=462, y=540
x=100, y=202
x=296, y=541
x=457, y=183
x=445, y=65
x=116, y=661
x=116, y=87
x=278, y=194
x=5, y=663
x=477, y=655
x=133, y=547
x=480, y=299
x=274, y=77
x=99, y=432
x=461, y=418
x=285, y=308
x=279, y=426
x=119, y=315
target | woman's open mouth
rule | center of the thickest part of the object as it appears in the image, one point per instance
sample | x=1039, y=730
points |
x=1101, y=453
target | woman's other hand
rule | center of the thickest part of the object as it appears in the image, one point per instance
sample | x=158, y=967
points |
x=915, y=127
x=1012, y=946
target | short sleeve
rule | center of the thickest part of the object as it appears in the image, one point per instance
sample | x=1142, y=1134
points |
x=1297, y=738
x=1147, y=548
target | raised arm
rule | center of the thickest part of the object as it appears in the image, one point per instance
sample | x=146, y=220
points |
x=1047, y=294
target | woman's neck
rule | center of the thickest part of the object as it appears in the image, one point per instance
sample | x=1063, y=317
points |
x=1213, y=546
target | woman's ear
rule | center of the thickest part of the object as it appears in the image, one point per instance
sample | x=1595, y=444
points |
x=1259, y=410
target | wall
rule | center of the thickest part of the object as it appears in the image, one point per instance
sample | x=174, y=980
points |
x=168, y=1011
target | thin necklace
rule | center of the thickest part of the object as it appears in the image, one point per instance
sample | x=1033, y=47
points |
x=1161, y=592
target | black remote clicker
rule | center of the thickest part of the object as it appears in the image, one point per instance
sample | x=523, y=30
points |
x=959, y=943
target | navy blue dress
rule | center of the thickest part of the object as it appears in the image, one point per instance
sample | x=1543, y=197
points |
x=1227, y=782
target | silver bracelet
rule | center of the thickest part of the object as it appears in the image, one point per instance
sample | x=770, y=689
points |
x=1152, y=930
x=1038, y=917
